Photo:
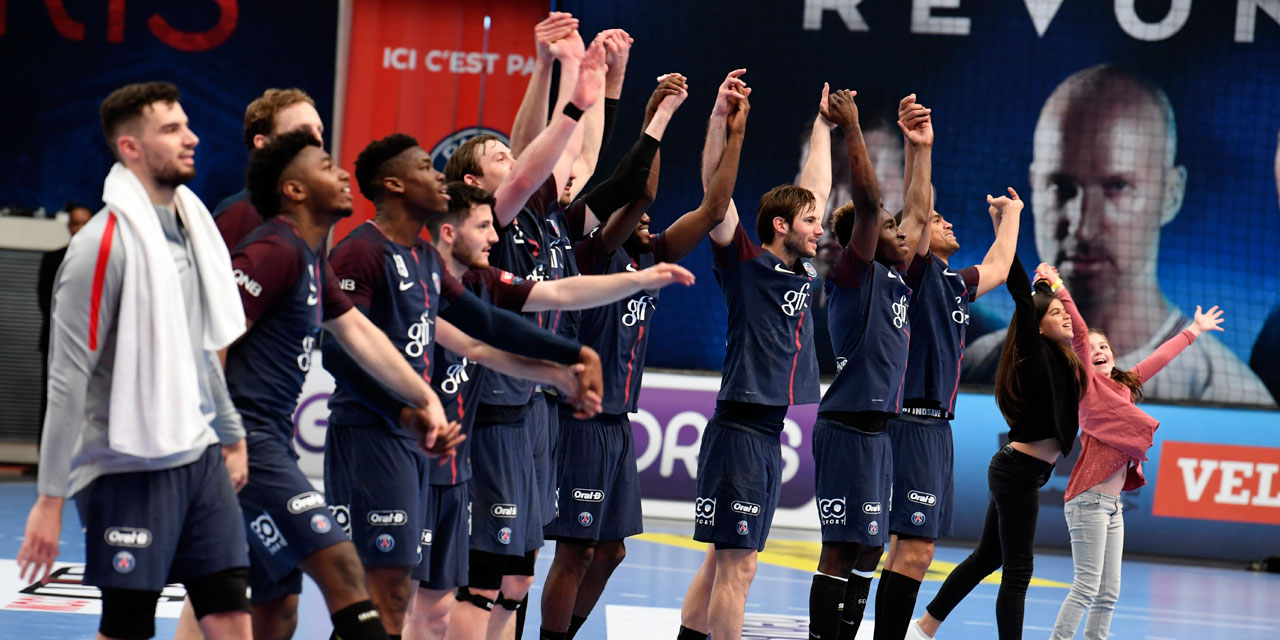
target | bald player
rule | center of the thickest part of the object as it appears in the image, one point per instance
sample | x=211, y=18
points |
x=1104, y=182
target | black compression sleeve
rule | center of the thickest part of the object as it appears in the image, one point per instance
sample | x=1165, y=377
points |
x=628, y=180
x=508, y=331
x=610, y=118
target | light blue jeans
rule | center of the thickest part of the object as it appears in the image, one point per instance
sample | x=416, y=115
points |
x=1096, y=522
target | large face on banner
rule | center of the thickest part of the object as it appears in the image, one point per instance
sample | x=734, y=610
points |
x=1104, y=182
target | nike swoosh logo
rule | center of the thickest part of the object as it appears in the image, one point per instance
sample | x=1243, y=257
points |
x=947, y=272
x=893, y=276
x=311, y=301
x=781, y=269
x=405, y=286
x=631, y=267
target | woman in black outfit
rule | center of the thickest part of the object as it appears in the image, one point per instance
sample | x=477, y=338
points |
x=1038, y=387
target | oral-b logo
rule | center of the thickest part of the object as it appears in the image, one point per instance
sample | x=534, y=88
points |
x=504, y=510
x=927, y=499
x=871, y=507
x=588, y=495
x=387, y=518
x=305, y=502
x=128, y=537
x=747, y=508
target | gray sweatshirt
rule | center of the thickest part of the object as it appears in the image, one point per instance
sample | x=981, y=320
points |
x=75, y=448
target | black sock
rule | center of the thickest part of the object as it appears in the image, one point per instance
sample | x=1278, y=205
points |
x=547, y=634
x=689, y=634
x=520, y=614
x=359, y=621
x=826, y=599
x=895, y=602
x=575, y=623
x=855, y=603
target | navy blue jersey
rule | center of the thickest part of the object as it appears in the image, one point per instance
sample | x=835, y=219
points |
x=867, y=315
x=401, y=290
x=939, y=315
x=454, y=376
x=287, y=291
x=769, y=358
x=561, y=263
x=619, y=331
x=522, y=249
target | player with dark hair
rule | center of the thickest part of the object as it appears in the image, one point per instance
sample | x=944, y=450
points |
x=463, y=236
x=138, y=407
x=868, y=297
x=289, y=292
x=371, y=467
x=275, y=112
x=1038, y=387
x=767, y=291
x=921, y=509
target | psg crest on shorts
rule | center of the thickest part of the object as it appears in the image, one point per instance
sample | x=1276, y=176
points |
x=124, y=562
x=504, y=535
x=742, y=527
x=320, y=523
x=385, y=542
x=873, y=528
x=585, y=519
x=917, y=518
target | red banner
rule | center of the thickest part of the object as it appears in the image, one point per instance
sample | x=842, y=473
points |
x=433, y=70
x=1218, y=482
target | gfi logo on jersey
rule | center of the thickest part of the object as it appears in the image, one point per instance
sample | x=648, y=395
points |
x=305, y=502
x=419, y=335
x=504, y=510
x=387, y=518
x=900, y=312
x=872, y=508
x=926, y=499
x=704, y=511
x=638, y=310
x=794, y=302
x=588, y=495
x=455, y=375
x=128, y=537
x=746, y=508
x=831, y=510
x=250, y=285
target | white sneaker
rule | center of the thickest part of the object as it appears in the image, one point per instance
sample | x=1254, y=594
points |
x=915, y=633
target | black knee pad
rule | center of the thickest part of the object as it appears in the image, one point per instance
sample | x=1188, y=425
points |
x=128, y=613
x=485, y=570
x=522, y=566
x=510, y=605
x=466, y=595
x=220, y=592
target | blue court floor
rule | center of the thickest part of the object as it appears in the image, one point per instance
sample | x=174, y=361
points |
x=1158, y=601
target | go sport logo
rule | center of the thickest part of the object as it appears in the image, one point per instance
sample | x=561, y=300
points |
x=444, y=149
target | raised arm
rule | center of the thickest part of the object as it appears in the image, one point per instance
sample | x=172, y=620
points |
x=1210, y=320
x=531, y=119
x=816, y=173
x=586, y=292
x=1006, y=216
x=684, y=235
x=617, y=44
x=917, y=129
x=732, y=99
x=562, y=377
x=866, y=190
x=1024, y=309
x=542, y=156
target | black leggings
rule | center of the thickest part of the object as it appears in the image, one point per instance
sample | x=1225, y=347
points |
x=1008, y=537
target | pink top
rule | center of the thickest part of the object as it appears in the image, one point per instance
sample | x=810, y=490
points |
x=1114, y=431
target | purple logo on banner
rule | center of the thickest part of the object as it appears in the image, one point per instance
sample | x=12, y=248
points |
x=667, y=430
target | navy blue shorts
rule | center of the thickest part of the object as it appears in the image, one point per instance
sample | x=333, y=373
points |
x=538, y=420
x=923, y=477
x=739, y=481
x=287, y=520
x=853, y=476
x=599, y=484
x=445, y=541
x=381, y=479
x=137, y=537
x=506, y=513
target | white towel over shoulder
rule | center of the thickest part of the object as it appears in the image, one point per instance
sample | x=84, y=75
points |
x=155, y=397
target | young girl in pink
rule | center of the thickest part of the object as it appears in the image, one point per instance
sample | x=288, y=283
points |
x=1114, y=438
